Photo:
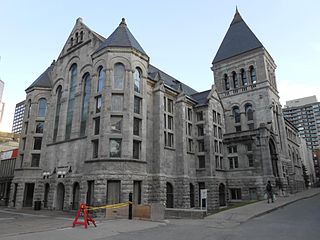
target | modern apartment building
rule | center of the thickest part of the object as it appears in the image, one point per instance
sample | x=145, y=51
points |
x=18, y=117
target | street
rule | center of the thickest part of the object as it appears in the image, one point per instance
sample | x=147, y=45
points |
x=299, y=220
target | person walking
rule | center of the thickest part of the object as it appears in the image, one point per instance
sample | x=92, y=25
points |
x=269, y=191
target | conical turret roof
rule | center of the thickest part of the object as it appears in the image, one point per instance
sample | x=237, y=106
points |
x=238, y=39
x=122, y=37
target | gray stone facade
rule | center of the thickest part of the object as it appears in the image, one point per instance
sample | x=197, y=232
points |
x=143, y=131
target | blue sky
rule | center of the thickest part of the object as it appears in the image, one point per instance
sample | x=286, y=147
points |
x=180, y=37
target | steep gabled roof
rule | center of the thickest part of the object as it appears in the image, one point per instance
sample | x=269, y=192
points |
x=44, y=80
x=238, y=39
x=121, y=37
x=201, y=97
x=170, y=81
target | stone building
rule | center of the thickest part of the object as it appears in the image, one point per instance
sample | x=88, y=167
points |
x=102, y=121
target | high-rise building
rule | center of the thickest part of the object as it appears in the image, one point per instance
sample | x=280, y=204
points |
x=18, y=117
x=304, y=113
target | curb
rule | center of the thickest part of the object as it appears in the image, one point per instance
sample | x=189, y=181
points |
x=281, y=206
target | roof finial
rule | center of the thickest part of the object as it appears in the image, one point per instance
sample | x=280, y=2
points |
x=237, y=17
x=123, y=22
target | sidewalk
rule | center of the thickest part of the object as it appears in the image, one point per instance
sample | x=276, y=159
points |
x=233, y=217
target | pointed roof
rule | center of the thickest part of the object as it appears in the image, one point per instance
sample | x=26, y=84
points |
x=122, y=37
x=44, y=80
x=238, y=39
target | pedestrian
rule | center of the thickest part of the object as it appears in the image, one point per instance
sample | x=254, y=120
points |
x=269, y=191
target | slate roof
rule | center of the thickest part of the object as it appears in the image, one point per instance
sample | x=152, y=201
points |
x=238, y=39
x=121, y=37
x=44, y=80
x=170, y=81
x=201, y=97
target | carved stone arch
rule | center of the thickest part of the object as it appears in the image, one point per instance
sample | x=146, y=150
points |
x=73, y=60
x=139, y=64
x=119, y=59
x=85, y=68
x=99, y=63
x=59, y=82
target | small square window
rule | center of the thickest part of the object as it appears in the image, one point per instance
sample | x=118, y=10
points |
x=37, y=143
x=202, y=161
x=35, y=161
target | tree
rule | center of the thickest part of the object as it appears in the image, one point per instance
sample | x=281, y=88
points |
x=305, y=175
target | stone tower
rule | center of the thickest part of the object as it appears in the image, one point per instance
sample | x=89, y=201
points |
x=255, y=142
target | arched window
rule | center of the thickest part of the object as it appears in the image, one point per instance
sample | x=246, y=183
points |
x=101, y=78
x=71, y=41
x=235, y=80
x=249, y=112
x=253, y=77
x=119, y=75
x=226, y=82
x=57, y=117
x=236, y=114
x=81, y=35
x=29, y=108
x=77, y=37
x=137, y=80
x=243, y=77
x=42, y=106
x=71, y=102
x=85, y=103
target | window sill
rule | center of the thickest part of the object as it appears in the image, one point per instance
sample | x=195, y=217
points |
x=169, y=148
x=94, y=160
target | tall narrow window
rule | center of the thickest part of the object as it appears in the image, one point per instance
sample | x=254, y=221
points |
x=101, y=78
x=253, y=77
x=57, y=117
x=137, y=80
x=226, y=82
x=137, y=105
x=71, y=102
x=235, y=80
x=136, y=149
x=42, y=106
x=95, y=148
x=236, y=114
x=249, y=112
x=243, y=77
x=115, y=147
x=119, y=75
x=96, y=125
x=29, y=108
x=85, y=104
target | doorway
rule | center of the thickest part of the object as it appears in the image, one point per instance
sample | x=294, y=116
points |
x=60, y=197
x=76, y=196
x=28, y=195
x=46, y=195
x=169, y=203
x=222, y=195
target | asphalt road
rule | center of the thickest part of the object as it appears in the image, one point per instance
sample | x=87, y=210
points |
x=300, y=220
x=297, y=221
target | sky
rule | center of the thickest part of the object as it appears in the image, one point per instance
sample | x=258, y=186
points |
x=180, y=37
